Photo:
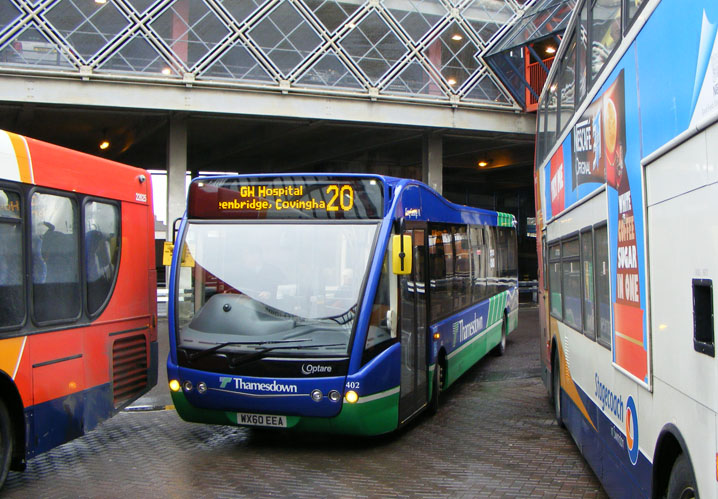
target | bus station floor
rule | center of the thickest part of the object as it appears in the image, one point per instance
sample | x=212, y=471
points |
x=493, y=436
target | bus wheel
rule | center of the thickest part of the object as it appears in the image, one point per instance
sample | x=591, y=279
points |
x=500, y=349
x=436, y=389
x=556, y=388
x=6, y=442
x=682, y=483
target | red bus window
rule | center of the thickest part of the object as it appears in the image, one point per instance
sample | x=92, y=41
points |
x=12, y=301
x=55, y=256
x=102, y=255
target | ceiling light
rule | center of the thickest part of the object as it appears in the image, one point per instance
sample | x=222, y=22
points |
x=550, y=50
x=101, y=1
x=483, y=163
x=457, y=37
x=166, y=71
x=451, y=81
x=105, y=144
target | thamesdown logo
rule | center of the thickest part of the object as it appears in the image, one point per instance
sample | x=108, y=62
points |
x=240, y=384
x=465, y=330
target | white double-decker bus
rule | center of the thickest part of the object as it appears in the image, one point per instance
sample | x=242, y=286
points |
x=626, y=184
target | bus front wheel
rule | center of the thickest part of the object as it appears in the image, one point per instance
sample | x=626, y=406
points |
x=682, y=483
x=6, y=442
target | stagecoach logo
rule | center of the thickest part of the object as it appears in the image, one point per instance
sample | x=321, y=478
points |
x=240, y=384
x=632, y=430
x=464, y=331
x=308, y=369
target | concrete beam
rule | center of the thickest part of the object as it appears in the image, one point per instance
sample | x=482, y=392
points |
x=218, y=100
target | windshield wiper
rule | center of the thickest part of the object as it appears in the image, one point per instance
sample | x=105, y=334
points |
x=211, y=350
x=250, y=357
x=344, y=317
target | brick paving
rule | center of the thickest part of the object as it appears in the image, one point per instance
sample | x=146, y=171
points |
x=494, y=436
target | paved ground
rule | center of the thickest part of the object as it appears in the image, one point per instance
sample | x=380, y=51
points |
x=494, y=435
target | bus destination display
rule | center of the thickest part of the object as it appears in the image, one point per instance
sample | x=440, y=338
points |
x=288, y=198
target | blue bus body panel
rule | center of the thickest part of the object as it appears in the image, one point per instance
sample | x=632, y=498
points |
x=606, y=450
x=289, y=396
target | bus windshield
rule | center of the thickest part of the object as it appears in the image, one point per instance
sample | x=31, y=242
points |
x=255, y=286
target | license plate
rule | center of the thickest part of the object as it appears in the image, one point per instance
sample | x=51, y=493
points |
x=271, y=420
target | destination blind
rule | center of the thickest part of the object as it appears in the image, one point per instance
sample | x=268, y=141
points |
x=290, y=197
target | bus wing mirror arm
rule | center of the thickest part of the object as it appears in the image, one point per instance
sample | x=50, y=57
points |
x=174, y=229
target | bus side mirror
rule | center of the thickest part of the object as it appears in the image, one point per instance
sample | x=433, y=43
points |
x=167, y=253
x=401, y=254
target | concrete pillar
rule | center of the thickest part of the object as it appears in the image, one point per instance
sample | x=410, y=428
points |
x=176, y=170
x=432, y=164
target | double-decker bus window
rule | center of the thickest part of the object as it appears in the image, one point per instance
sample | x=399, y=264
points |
x=56, y=276
x=571, y=283
x=12, y=300
x=603, y=290
x=589, y=301
x=568, y=84
x=581, y=54
x=540, y=135
x=632, y=9
x=102, y=222
x=551, y=115
x=605, y=32
x=554, y=279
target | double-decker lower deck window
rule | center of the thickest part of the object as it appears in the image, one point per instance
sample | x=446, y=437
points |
x=603, y=283
x=579, y=283
x=554, y=279
x=571, y=283
x=589, y=300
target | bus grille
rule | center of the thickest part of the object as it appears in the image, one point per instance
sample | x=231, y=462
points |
x=129, y=368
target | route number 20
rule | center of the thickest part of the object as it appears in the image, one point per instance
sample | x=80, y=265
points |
x=343, y=195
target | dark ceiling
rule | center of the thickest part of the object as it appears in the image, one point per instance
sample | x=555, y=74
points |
x=252, y=144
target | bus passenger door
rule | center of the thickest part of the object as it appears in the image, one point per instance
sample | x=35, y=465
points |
x=412, y=307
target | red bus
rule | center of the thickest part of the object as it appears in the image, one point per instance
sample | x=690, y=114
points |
x=78, y=311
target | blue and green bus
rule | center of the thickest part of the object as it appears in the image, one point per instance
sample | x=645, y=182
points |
x=332, y=303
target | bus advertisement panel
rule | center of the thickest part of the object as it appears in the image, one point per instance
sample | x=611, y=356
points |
x=335, y=303
x=625, y=193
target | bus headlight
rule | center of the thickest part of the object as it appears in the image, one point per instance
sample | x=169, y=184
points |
x=201, y=387
x=187, y=385
x=335, y=396
x=351, y=396
x=175, y=385
x=317, y=395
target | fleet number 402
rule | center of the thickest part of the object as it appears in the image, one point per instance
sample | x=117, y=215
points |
x=341, y=197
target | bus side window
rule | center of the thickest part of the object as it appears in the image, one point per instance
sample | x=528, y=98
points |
x=102, y=223
x=462, y=268
x=554, y=280
x=478, y=284
x=56, y=276
x=603, y=290
x=12, y=300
